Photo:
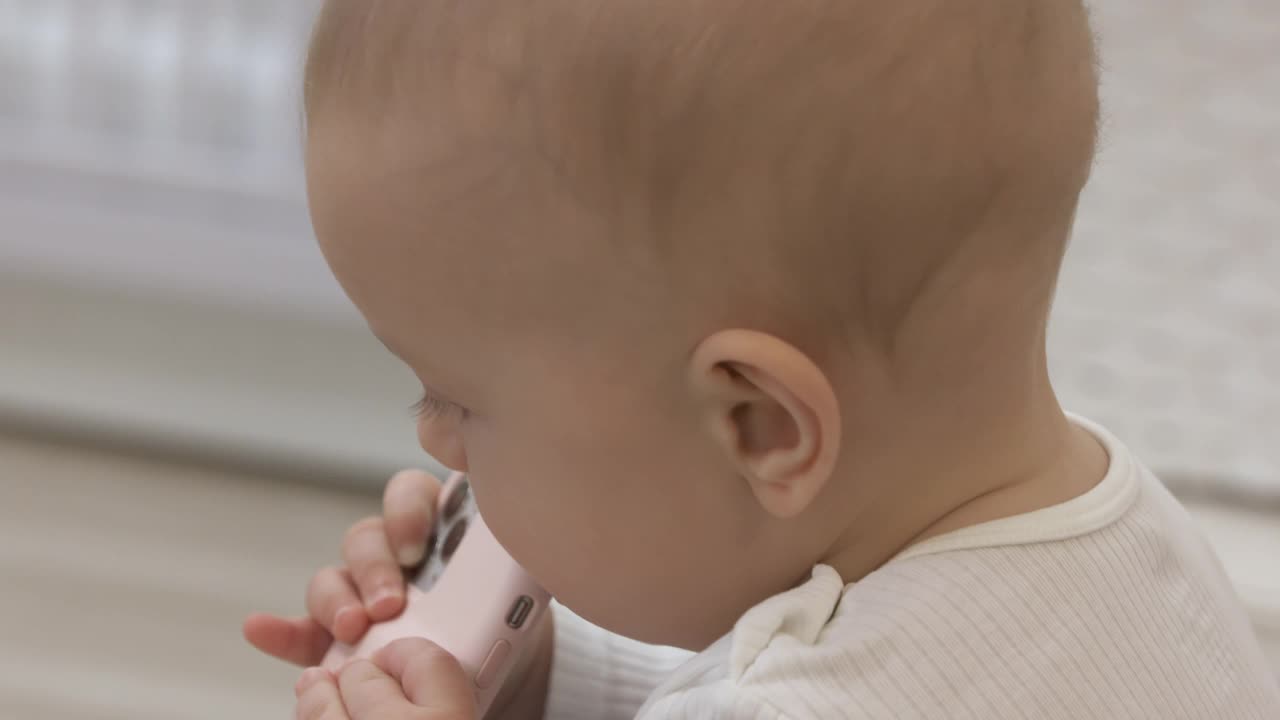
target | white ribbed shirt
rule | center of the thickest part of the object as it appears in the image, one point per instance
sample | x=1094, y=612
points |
x=1111, y=605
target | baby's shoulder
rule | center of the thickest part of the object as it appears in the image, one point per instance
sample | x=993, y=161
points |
x=923, y=635
x=1080, y=626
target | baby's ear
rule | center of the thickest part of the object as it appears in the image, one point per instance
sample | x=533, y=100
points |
x=773, y=413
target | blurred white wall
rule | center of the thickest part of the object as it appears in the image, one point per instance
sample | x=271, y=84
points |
x=155, y=144
x=1168, y=323
x=158, y=279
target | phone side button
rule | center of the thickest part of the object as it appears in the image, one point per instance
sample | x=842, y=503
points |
x=493, y=664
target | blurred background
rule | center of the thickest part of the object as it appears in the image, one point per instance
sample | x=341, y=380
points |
x=190, y=413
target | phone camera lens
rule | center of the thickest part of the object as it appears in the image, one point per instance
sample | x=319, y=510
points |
x=431, y=545
x=453, y=539
x=456, y=498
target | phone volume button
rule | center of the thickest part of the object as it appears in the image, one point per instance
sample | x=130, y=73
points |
x=492, y=665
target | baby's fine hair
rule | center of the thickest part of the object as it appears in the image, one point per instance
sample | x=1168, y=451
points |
x=834, y=160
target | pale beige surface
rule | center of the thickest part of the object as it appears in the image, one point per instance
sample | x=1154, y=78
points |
x=123, y=582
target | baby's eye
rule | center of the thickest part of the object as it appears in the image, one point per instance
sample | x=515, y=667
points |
x=430, y=407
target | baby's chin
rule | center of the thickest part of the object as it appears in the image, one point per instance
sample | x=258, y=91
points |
x=658, y=628
x=649, y=618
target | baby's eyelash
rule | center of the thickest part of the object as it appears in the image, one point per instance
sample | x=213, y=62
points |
x=431, y=407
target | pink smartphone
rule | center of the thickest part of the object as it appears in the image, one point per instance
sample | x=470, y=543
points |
x=469, y=597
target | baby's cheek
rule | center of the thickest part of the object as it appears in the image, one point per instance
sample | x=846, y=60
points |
x=553, y=492
x=443, y=439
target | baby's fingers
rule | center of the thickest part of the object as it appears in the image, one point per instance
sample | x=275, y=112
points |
x=301, y=641
x=333, y=602
x=408, y=680
x=371, y=694
x=432, y=679
x=377, y=575
x=318, y=697
x=408, y=508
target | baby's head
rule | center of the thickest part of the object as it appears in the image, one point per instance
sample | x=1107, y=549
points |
x=697, y=288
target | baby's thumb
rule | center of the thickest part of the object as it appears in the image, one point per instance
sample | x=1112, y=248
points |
x=432, y=679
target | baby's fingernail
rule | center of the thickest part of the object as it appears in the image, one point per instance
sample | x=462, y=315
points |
x=385, y=601
x=410, y=555
x=342, y=620
x=310, y=677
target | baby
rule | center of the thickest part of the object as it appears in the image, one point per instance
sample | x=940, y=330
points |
x=735, y=312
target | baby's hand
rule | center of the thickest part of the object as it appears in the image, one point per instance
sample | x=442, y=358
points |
x=342, y=602
x=408, y=680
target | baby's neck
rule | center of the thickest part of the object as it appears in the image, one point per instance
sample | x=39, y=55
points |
x=1078, y=465
x=974, y=465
